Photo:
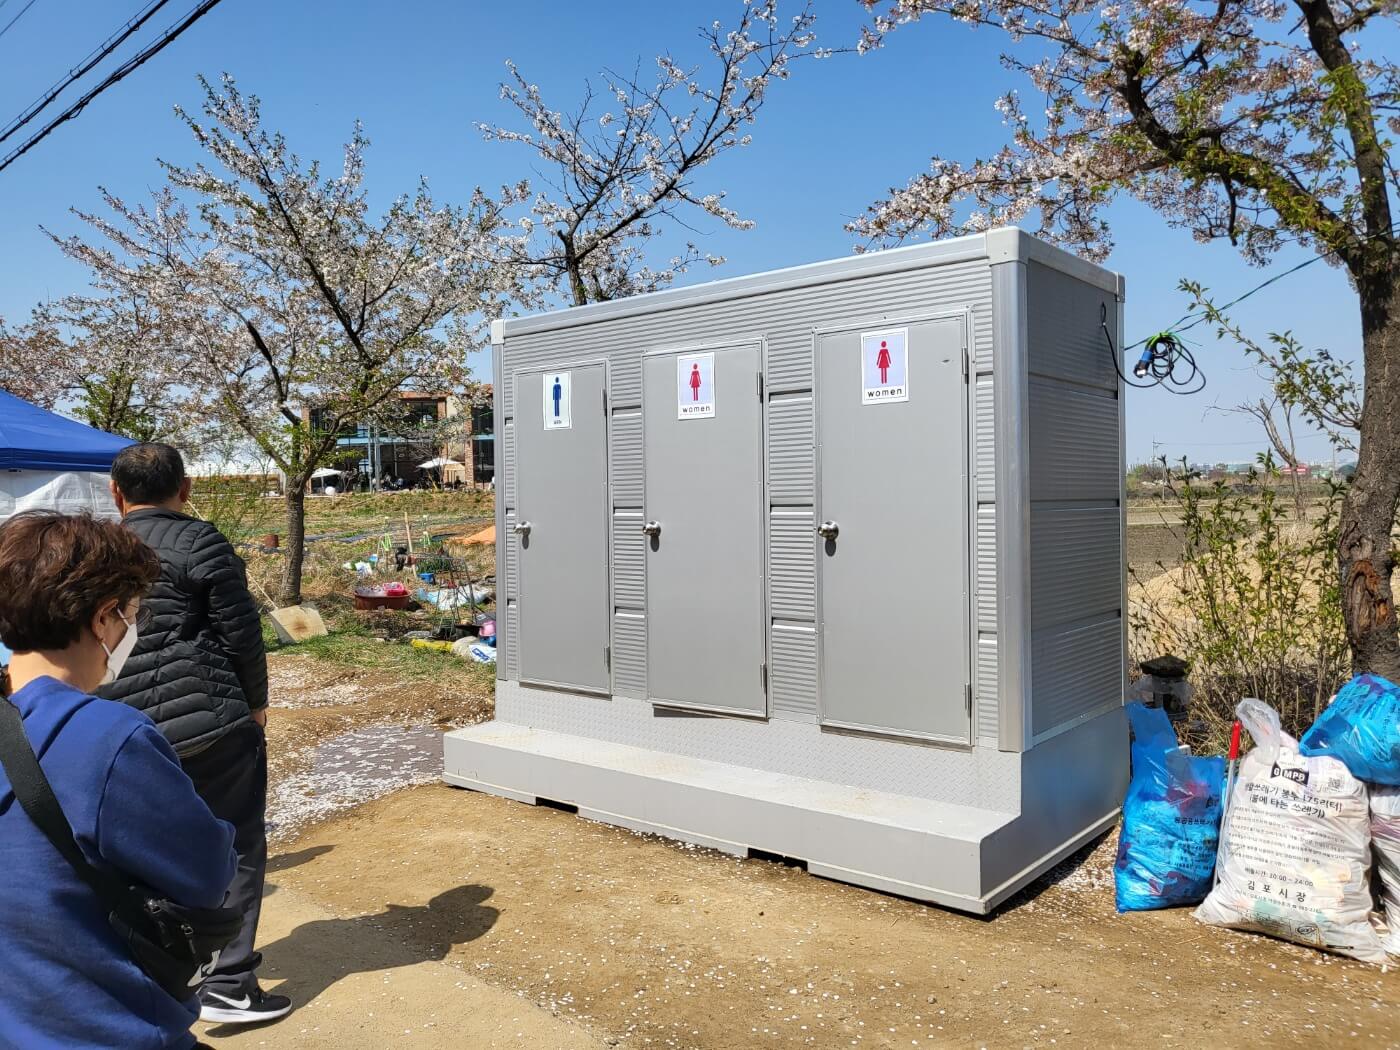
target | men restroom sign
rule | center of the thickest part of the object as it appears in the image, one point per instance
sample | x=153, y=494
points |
x=558, y=408
x=884, y=366
x=695, y=386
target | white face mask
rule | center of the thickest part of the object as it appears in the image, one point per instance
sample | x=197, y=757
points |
x=117, y=657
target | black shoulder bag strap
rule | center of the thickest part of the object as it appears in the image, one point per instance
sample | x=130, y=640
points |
x=35, y=794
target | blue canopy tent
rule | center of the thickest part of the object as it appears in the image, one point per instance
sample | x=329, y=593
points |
x=32, y=438
x=51, y=463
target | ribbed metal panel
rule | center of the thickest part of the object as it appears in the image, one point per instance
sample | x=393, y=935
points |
x=506, y=468
x=985, y=566
x=793, y=677
x=790, y=363
x=625, y=376
x=505, y=547
x=1066, y=340
x=1073, y=443
x=792, y=569
x=1072, y=673
x=629, y=561
x=625, y=458
x=791, y=461
x=985, y=691
x=786, y=318
x=981, y=336
x=506, y=552
x=509, y=642
x=629, y=654
x=1076, y=564
x=984, y=435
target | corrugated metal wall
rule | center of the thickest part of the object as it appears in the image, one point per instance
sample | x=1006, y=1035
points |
x=785, y=318
x=1076, y=551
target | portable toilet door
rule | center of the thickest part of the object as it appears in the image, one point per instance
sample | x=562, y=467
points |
x=891, y=528
x=702, y=417
x=561, y=526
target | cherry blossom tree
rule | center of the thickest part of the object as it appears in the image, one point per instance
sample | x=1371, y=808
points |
x=1260, y=122
x=620, y=169
x=114, y=369
x=289, y=309
x=34, y=363
x=91, y=355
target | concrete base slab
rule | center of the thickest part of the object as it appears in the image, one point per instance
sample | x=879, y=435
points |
x=926, y=850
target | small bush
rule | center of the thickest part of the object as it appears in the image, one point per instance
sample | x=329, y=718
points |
x=1254, y=606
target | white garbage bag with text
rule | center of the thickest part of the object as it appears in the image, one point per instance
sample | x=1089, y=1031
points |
x=1295, y=852
x=1385, y=837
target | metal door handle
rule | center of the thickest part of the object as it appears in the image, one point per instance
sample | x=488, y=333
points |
x=521, y=528
x=828, y=530
x=652, y=528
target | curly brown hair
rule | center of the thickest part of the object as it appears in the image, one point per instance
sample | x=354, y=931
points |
x=57, y=570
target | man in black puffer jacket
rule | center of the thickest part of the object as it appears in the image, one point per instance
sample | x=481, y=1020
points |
x=200, y=672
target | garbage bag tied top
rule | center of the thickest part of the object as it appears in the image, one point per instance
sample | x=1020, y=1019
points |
x=1295, y=853
x=1171, y=817
x=1361, y=727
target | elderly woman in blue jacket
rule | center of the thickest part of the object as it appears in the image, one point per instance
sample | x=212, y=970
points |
x=70, y=594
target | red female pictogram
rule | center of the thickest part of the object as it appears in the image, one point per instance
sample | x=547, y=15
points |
x=882, y=362
x=695, y=382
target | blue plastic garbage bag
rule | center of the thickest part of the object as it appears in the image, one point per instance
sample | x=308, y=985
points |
x=1361, y=726
x=1171, y=819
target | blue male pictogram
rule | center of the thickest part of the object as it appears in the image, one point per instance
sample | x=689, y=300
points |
x=558, y=396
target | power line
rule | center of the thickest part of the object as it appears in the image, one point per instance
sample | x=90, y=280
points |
x=120, y=73
x=1195, y=317
x=83, y=68
x=17, y=17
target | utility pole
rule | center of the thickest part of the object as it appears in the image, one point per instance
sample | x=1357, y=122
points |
x=1155, y=444
x=373, y=456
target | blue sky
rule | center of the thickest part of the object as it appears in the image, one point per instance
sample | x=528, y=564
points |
x=419, y=73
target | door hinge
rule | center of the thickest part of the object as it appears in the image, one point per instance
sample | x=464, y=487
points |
x=763, y=676
x=759, y=377
x=607, y=657
x=966, y=362
x=967, y=697
x=605, y=402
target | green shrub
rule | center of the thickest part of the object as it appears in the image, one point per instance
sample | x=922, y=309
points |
x=1255, y=605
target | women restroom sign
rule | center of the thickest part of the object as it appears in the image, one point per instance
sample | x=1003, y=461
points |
x=558, y=410
x=884, y=366
x=695, y=386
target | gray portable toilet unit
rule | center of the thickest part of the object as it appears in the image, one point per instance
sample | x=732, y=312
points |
x=825, y=563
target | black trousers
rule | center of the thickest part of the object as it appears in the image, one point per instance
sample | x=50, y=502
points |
x=231, y=776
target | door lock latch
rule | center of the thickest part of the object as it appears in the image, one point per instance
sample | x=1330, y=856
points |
x=652, y=529
x=828, y=530
x=521, y=528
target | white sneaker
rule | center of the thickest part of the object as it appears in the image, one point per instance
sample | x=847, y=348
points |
x=253, y=1007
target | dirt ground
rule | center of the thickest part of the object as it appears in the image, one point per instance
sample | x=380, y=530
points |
x=1153, y=548
x=315, y=701
x=427, y=916
x=641, y=942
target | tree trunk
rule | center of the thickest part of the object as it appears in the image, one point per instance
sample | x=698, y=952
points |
x=573, y=268
x=295, y=499
x=1366, y=549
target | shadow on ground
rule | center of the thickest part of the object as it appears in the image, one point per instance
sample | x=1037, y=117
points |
x=317, y=954
x=283, y=861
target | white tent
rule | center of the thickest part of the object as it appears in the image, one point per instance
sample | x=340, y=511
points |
x=68, y=491
x=51, y=463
